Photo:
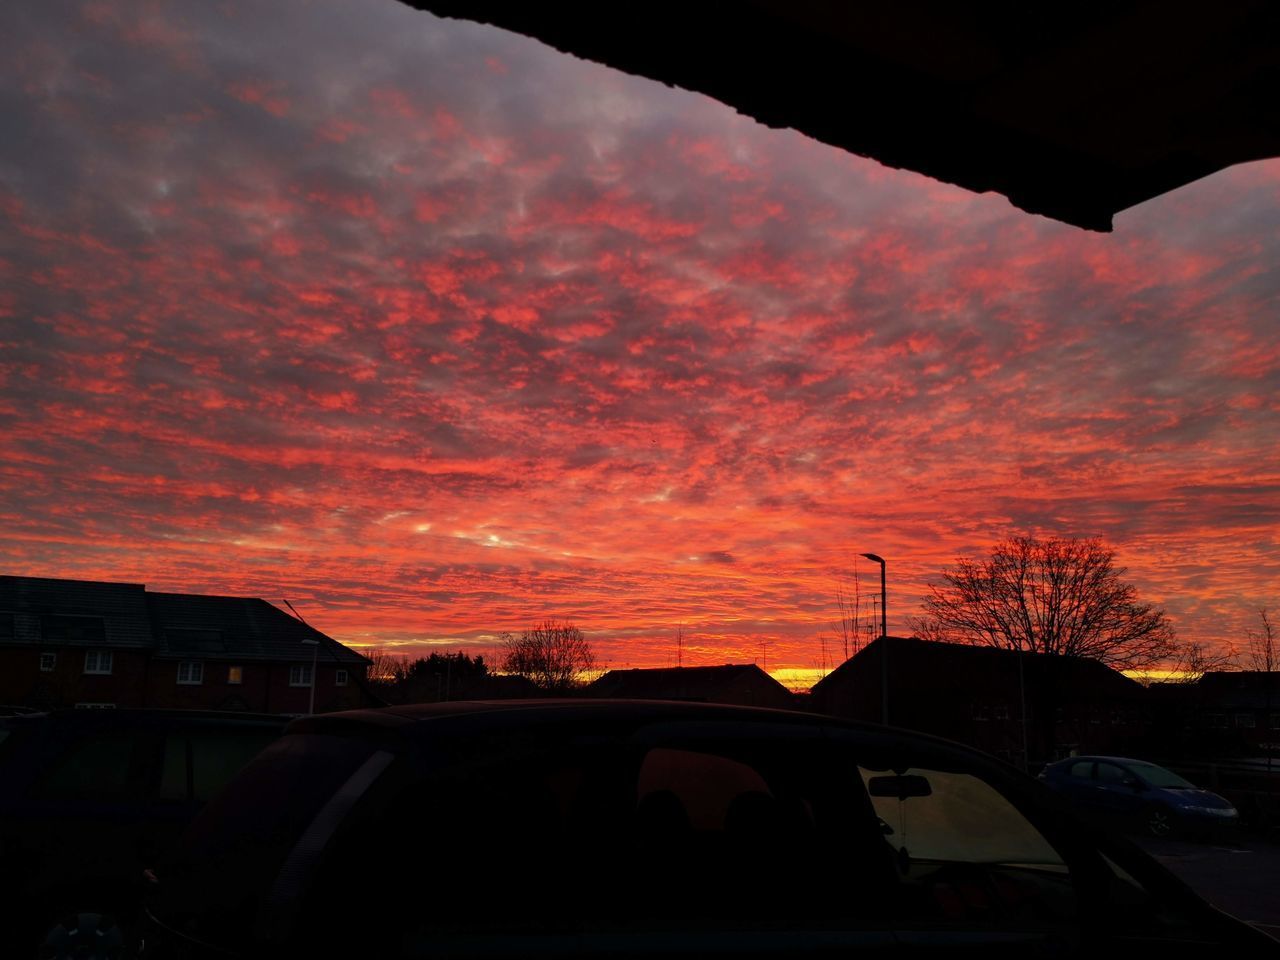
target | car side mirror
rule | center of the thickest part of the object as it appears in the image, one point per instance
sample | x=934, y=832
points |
x=899, y=787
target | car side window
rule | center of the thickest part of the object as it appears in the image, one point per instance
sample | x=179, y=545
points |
x=1112, y=775
x=1082, y=769
x=716, y=838
x=651, y=837
x=739, y=830
x=99, y=768
x=197, y=764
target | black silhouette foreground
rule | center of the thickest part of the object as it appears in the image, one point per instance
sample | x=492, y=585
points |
x=580, y=828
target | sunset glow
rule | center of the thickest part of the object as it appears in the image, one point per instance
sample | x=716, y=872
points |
x=437, y=332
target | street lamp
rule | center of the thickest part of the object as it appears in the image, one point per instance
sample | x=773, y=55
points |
x=315, y=652
x=884, y=640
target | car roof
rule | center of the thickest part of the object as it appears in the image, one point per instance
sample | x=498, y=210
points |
x=415, y=721
x=563, y=709
x=141, y=717
x=1091, y=756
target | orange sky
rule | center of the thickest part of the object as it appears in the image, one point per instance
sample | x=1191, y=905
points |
x=437, y=333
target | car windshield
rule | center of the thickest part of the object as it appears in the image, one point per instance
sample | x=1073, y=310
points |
x=1160, y=777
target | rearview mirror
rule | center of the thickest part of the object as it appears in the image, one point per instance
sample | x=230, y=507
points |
x=899, y=787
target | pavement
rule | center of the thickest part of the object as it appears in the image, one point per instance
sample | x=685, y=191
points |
x=1240, y=877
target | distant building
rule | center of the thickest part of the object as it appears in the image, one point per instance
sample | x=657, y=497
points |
x=976, y=695
x=1237, y=711
x=82, y=643
x=743, y=684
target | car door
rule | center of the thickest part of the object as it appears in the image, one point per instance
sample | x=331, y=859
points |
x=1116, y=789
x=668, y=839
x=1076, y=781
x=85, y=812
x=195, y=759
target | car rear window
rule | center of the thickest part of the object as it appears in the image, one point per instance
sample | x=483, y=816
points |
x=214, y=883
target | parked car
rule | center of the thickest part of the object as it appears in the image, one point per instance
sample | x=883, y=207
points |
x=572, y=828
x=1141, y=793
x=87, y=797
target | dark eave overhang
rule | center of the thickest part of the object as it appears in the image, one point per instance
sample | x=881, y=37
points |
x=1075, y=111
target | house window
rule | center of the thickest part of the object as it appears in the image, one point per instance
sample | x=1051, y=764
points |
x=1246, y=721
x=340, y=678
x=48, y=661
x=97, y=661
x=7, y=631
x=1275, y=721
x=95, y=706
x=1217, y=721
x=191, y=673
x=300, y=675
x=235, y=674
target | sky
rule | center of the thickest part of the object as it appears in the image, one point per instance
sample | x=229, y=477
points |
x=437, y=333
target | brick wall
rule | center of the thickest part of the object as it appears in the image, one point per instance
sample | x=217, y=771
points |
x=22, y=682
x=137, y=680
x=264, y=688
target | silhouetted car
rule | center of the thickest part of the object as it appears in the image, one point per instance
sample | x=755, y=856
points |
x=87, y=797
x=571, y=828
x=1158, y=800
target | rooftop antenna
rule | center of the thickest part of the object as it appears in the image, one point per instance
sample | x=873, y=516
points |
x=680, y=645
x=295, y=612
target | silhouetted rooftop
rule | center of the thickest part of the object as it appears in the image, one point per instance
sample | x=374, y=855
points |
x=48, y=611
x=678, y=683
x=948, y=663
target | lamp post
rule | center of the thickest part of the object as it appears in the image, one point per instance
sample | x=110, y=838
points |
x=884, y=640
x=315, y=652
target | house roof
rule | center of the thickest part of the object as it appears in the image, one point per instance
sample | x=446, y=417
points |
x=1242, y=689
x=189, y=625
x=50, y=612
x=947, y=663
x=1072, y=113
x=678, y=683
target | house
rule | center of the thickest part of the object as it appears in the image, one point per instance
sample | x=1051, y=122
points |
x=86, y=643
x=1019, y=707
x=1238, y=710
x=744, y=684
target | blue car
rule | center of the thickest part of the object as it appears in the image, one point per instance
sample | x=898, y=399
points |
x=1162, y=802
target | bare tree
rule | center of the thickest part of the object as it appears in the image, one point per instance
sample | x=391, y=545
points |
x=927, y=628
x=1196, y=659
x=1263, y=658
x=385, y=667
x=847, y=625
x=553, y=655
x=852, y=624
x=1263, y=655
x=1057, y=596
